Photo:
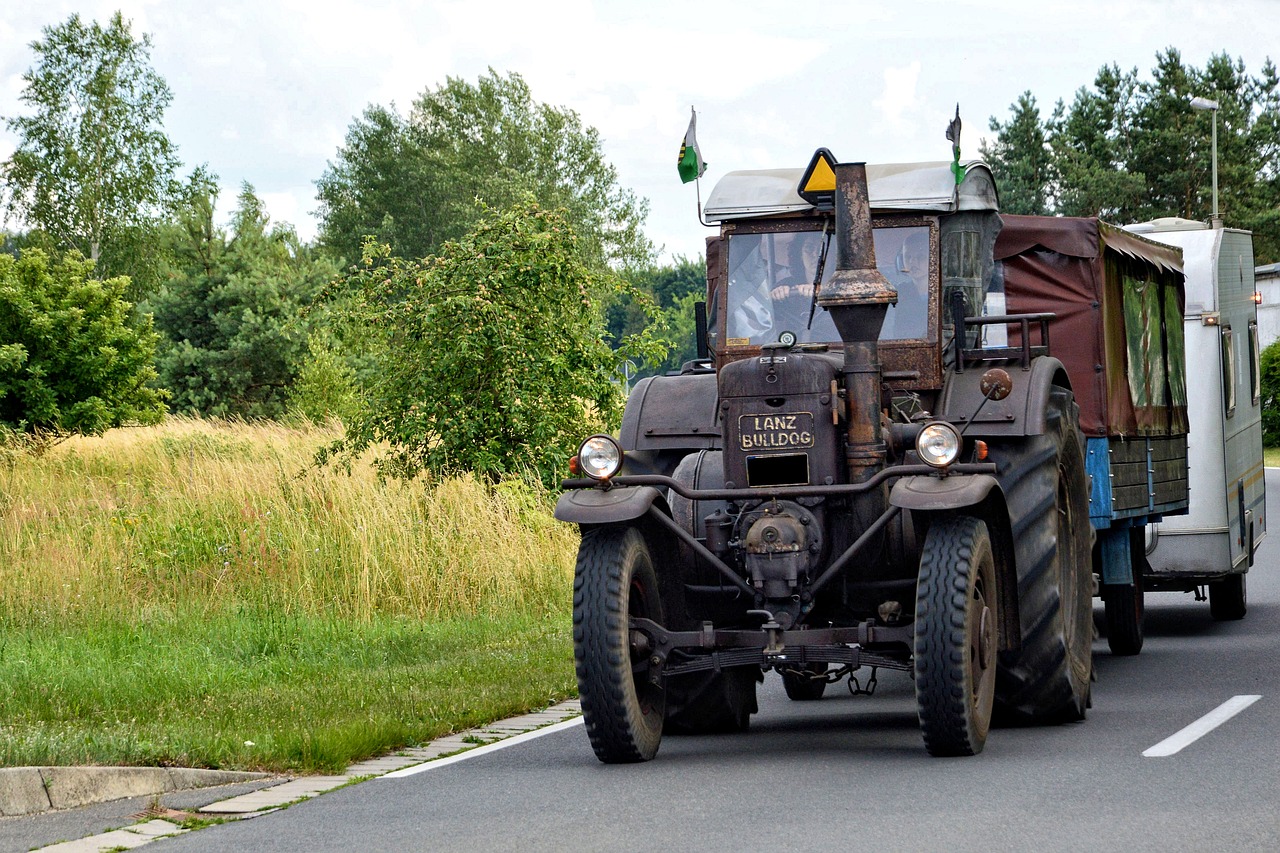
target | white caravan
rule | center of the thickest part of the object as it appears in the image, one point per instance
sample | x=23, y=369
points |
x=1213, y=544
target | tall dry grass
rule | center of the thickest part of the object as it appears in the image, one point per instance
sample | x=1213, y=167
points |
x=198, y=515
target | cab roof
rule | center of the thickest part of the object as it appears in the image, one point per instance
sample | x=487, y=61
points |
x=922, y=187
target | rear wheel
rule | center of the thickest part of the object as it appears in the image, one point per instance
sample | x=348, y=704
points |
x=711, y=702
x=1047, y=493
x=1124, y=608
x=801, y=686
x=613, y=583
x=1228, y=600
x=956, y=636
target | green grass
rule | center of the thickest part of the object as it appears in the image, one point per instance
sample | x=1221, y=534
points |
x=1271, y=457
x=251, y=690
x=197, y=595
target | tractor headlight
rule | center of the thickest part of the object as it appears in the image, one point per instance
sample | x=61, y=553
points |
x=938, y=444
x=600, y=457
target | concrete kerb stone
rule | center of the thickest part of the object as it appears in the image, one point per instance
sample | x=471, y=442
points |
x=31, y=790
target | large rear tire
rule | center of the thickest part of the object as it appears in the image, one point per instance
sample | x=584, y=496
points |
x=621, y=706
x=1228, y=598
x=1047, y=492
x=712, y=702
x=956, y=636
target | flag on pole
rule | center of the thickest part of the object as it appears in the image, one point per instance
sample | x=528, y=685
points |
x=691, y=165
x=953, y=134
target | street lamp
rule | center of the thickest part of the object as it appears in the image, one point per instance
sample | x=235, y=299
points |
x=1203, y=104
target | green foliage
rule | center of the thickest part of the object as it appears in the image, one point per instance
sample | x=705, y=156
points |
x=674, y=289
x=72, y=357
x=231, y=311
x=414, y=183
x=1020, y=156
x=1131, y=149
x=492, y=353
x=1270, y=365
x=92, y=163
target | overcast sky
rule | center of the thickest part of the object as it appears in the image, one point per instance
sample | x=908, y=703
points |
x=265, y=91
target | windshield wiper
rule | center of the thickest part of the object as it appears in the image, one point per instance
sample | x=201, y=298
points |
x=817, y=276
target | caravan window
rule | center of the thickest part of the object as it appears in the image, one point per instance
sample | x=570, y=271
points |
x=1228, y=372
x=1255, y=363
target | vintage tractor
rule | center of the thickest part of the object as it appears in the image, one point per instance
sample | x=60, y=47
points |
x=859, y=473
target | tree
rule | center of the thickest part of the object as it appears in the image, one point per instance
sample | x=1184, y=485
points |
x=492, y=354
x=1021, y=160
x=92, y=160
x=674, y=289
x=1132, y=149
x=1090, y=145
x=231, y=314
x=416, y=182
x=72, y=357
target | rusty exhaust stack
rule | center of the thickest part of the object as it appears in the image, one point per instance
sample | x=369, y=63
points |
x=857, y=297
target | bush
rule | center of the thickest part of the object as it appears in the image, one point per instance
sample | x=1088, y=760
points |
x=73, y=358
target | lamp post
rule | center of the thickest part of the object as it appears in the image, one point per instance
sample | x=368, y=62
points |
x=1203, y=104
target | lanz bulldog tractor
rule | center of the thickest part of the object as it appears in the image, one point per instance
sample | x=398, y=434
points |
x=860, y=472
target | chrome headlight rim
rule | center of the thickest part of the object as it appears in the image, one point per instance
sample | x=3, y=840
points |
x=600, y=457
x=939, y=444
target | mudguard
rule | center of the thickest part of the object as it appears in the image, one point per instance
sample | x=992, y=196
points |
x=1019, y=414
x=601, y=506
x=942, y=493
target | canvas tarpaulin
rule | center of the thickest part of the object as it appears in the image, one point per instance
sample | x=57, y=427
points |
x=1118, y=300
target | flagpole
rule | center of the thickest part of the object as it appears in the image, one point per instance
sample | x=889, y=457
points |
x=698, y=187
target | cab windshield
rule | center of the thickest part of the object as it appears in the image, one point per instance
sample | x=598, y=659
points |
x=771, y=279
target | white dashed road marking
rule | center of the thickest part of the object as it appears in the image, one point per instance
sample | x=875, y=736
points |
x=1201, y=727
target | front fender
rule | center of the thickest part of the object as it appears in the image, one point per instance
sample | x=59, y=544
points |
x=606, y=506
x=942, y=493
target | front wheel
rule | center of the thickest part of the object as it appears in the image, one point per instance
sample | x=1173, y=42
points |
x=956, y=636
x=613, y=583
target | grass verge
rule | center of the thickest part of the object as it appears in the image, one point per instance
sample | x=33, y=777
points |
x=255, y=691
x=197, y=594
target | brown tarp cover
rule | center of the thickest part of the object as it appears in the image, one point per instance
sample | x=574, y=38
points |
x=1118, y=299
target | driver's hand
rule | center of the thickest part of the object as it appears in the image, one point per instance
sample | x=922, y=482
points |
x=783, y=291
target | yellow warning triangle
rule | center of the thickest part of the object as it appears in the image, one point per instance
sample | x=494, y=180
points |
x=818, y=184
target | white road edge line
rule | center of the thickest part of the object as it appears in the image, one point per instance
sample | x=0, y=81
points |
x=1201, y=727
x=482, y=750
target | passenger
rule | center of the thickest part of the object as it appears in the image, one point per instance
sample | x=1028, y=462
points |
x=910, y=275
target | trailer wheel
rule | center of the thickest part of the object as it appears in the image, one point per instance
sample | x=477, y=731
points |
x=712, y=702
x=1047, y=492
x=1124, y=608
x=956, y=636
x=1228, y=599
x=800, y=687
x=614, y=581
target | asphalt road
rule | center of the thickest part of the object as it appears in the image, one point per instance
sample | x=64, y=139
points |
x=852, y=772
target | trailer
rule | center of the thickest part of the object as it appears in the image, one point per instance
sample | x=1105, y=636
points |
x=1118, y=304
x=1213, y=545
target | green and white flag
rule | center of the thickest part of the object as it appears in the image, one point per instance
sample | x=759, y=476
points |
x=691, y=165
